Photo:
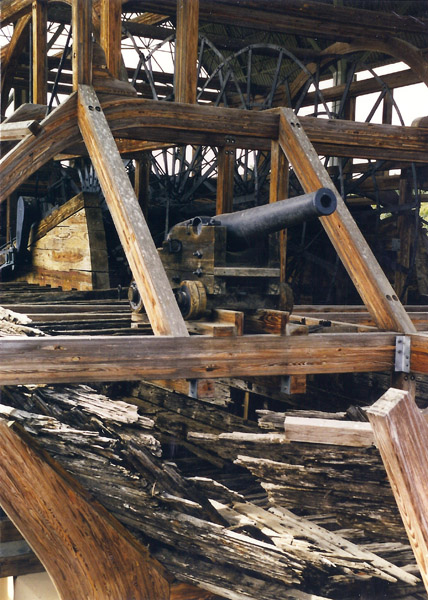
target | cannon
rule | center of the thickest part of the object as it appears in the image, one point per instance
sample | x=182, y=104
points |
x=224, y=261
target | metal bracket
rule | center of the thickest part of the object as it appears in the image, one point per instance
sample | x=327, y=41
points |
x=402, y=353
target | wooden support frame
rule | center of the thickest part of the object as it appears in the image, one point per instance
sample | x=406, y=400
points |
x=186, y=51
x=95, y=557
x=13, y=51
x=401, y=434
x=111, y=34
x=109, y=358
x=359, y=261
x=136, y=239
x=39, y=50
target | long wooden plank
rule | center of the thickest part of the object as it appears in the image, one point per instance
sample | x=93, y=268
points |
x=359, y=261
x=104, y=358
x=94, y=556
x=146, y=266
x=186, y=50
x=401, y=434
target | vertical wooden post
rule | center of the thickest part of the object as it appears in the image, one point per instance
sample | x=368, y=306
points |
x=279, y=191
x=111, y=34
x=225, y=173
x=405, y=226
x=82, y=42
x=186, y=51
x=401, y=434
x=142, y=180
x=40, y=71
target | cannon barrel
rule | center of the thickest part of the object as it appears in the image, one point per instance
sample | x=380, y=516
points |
x=245, y=227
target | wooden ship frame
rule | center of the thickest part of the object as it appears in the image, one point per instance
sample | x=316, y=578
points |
x=197, y=434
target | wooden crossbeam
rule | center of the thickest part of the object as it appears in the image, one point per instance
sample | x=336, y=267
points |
x=146, y=266
x=401, y=434
x=110, y=358
x=359, y=261
x=18, y=130
x=95, y=557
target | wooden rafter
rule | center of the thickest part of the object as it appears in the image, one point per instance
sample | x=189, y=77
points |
x=11, y=56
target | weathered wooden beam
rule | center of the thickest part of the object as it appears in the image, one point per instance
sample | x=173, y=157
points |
x=59, y=129
x=109, y=358
x=298, y=17
x=18, y=130
x=135, y=236
x=401, y=435
x=186, y=50
x=39, y=50
x=362, y=266
x=328, y=431
x=419, y=353
x=95, y=557
x=111, y=34
x=82, y=42
x=12, y=10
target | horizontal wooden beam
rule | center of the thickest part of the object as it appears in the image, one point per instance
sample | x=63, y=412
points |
x=109, y=358
x=295, y=17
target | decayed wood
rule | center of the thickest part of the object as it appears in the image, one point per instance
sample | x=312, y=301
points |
x=363, y=268
x=82, y=42
x=146, y=266
x=39, y=24
x=95, y=557
x=402, y=438
x=105, y=358
x=186, y=50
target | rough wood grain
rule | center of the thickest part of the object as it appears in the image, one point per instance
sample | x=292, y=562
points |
x=39, y=24
x=104, y=358
x=111, y=34
x=401, y=435
x=82, y=42
x=95, y=557
x=146, y=266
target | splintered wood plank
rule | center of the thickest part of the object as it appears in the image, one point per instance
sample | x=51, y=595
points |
x=362, y=266
x=40, y=55
x=94, y=556
x=401, y=434
x=111, y=358
x=111, y=34
x=186, y=50
x=82, y=42
x=146, y=266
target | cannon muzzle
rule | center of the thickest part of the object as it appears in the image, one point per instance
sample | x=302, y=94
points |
x=245, y=227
